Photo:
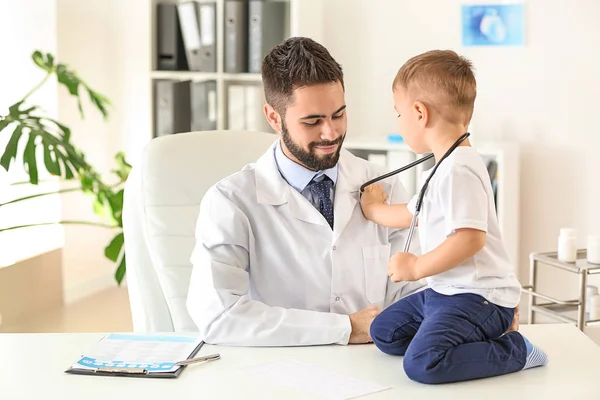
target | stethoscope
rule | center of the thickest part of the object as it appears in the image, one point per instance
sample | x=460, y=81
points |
x=413, y=222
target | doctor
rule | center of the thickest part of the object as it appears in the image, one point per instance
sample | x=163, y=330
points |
x=284, y=256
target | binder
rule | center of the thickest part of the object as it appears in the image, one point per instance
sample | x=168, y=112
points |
x=236, y=36
x=172, y=107
x=204, y=106
x=199, y=31
x=139, y=355
x=170, y=51
x=266, y=30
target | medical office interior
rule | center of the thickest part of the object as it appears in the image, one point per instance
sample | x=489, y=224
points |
x=535, y=123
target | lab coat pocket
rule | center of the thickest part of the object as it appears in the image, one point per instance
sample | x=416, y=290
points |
x=375, y=260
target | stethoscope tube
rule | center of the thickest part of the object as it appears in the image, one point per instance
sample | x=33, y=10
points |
x=419, y=204
x=397, y=171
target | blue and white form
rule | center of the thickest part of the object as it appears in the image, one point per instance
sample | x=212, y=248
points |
x=152, y=353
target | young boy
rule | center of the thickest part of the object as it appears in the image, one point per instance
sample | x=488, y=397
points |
x=454, y=330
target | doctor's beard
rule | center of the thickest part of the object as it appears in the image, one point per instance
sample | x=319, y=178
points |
x=309, y=158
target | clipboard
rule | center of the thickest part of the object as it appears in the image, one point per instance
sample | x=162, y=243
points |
x=104, y=366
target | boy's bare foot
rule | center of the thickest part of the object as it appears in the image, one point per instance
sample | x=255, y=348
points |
x=515, y=322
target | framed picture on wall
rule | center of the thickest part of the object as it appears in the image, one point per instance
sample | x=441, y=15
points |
x=493, y=25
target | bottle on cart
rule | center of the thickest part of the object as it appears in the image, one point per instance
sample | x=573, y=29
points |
x=567, y=245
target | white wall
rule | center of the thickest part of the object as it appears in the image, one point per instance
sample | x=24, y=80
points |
x=26, y=26
x=107, y=43
x=543, y=95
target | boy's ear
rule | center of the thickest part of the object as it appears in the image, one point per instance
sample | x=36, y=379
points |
x=421, y=113
x=273, y=117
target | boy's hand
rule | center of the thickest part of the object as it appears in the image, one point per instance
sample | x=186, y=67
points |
x=402, y=267
x=373, y=194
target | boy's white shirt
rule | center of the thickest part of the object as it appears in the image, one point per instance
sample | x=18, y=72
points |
x=460, y=195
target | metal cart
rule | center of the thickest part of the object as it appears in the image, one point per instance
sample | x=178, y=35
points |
x=569, y=311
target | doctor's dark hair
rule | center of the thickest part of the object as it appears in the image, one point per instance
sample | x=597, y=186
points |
x=443, y=81
x=295, y=63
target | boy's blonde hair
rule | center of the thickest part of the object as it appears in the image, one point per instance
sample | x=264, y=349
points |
x=443, y=81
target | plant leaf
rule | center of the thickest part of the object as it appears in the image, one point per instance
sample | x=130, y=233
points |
x=69, y=174
x=100, y=204
x=124, y=168
x=116, y=205
x=120, y=272
x=38, y=59
x=14, y=110
x=100, y=101
x=87, y=183
x=29, y=159
x=113, y=250
x=71, y=81
x=10, y=152
x=4, y=123
x=66, y=132
x=49, y=60
x=51, y=163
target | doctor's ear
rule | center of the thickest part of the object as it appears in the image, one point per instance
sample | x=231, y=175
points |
x=421, y=113
x=273, y=117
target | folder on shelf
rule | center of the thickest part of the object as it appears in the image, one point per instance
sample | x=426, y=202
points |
x=170, y=51
x=236, y=36
x=172, y=107
x=198, y=28
x=204, y=106
x=266, y=23
x=139, y=355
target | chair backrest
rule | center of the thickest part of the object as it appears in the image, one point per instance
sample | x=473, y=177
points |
x=160, y=211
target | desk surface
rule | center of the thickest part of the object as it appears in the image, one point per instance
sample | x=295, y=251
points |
x=572, y=373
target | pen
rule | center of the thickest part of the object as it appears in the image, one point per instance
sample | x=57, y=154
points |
x=211, y=357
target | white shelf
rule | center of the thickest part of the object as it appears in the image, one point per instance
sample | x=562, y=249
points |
x=205, y=76
x=184, y=75
x=247, y=77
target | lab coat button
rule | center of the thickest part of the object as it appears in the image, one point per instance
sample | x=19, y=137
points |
x=337, y=298
x=334, y=247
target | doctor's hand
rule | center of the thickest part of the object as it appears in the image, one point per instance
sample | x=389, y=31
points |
x=361, y=324
x=402, y=267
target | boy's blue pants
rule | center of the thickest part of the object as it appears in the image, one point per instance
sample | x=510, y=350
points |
x=449, y=338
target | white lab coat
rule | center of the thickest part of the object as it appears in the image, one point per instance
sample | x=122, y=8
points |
x=269, y=271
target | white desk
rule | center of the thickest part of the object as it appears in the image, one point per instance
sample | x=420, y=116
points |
x=573, y=372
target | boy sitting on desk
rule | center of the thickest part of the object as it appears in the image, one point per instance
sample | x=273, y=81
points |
x=453, y=331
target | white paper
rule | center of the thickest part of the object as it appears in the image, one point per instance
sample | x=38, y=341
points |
x=314, y=379
x=152, y=352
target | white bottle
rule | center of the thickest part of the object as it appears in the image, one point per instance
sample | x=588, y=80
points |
x=567, y=245
x=595, y=308
x=590, y=291
x=593, y=249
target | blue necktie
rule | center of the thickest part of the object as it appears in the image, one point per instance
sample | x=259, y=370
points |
x=323, y=191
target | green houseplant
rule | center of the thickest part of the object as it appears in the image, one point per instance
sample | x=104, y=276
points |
x=50, y=140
